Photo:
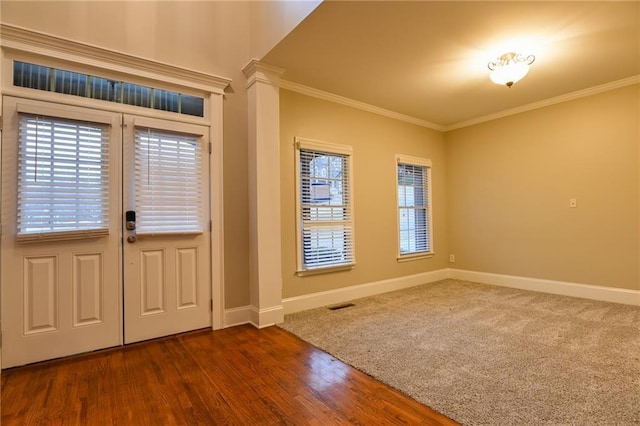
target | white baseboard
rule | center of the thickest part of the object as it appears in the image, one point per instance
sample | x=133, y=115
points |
x=254, y=316
x=324, y=298
x=267, y=317
x=237, y=316
x=585, y=291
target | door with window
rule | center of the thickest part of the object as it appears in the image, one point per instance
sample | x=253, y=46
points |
x=74, y=278
x=60, y=261
x=166, y=248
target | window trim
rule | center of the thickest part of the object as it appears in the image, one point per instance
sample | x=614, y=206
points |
x=329, y=148
x=427, y=164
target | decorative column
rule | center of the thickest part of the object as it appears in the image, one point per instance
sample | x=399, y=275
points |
x=265, y=267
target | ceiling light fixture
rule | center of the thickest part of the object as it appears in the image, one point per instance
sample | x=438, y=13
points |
x=510, y=68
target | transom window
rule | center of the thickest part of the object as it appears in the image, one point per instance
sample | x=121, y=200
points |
x=325, y=223
x=33, y=76
x=414, y=206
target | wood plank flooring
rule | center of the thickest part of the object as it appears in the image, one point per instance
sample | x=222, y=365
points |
x=236, y=376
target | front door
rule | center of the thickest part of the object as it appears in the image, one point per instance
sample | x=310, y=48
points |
x=166, y=248
x=74, y=279
x=60, y=261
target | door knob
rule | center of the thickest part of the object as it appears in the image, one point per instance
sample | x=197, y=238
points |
x=131, y=239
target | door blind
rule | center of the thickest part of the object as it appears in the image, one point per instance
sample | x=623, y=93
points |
x=62, y=179
x=168, y=184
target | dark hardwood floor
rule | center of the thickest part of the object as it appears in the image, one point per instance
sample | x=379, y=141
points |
x=236, y=376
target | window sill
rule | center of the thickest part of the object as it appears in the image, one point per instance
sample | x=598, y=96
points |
x=414, y=256
x=326, y=270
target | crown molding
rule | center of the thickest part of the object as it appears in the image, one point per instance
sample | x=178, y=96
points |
x=315, y=93
x=25, y=40
x=547, y=102
x=309, y=91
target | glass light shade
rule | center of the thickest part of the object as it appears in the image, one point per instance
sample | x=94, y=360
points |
x=509, y=73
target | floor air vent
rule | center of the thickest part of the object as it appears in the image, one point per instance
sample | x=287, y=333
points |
x=344, y=305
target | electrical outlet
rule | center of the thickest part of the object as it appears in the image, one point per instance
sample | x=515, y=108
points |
x=452, y=258
x=573, y=203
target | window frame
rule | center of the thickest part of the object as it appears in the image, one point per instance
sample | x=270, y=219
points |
x=428, y=208
x=329, y=148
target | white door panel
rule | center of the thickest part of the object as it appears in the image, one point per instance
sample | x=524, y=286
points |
x=59, y=297
x=166, y=266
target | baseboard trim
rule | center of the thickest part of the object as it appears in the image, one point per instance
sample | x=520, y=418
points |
x=237, y=316
x=259, y=318
x=585, y=291
x=270, y=316
x=266, y=317
x=324, y=298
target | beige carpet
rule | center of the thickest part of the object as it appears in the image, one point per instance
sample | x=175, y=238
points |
x=486, y=355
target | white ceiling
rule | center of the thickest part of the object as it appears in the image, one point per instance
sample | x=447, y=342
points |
x=428, y=60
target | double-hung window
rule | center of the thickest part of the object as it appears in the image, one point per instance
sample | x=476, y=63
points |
x=414, y=207
x=325, y=215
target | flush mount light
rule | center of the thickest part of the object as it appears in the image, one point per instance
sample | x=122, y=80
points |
x=510, y=68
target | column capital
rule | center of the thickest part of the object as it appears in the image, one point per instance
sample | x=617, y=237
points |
x=264, y=73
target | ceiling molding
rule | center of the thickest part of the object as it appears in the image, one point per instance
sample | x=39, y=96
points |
x=34, y=42
x=315, y=93
x=309, y=91
x=547, y=102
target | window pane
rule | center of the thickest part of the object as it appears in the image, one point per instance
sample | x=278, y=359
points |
x=134, y=94
x=62, y=176
x=31, y=76
x=413, y=209
x=326, y=245
x=70, y=83
x=168, y=182
x=325, y=209
x=192, y=105
x=104, y=89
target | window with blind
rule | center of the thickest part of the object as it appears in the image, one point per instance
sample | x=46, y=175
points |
x=325, y=222
x=62, y=179
x=168, y=184
x=414, y=206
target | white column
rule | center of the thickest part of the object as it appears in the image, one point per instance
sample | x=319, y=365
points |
x=265, y=268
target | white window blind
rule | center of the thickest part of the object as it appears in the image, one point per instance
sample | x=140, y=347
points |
x=326, y=223
x=63, y=171
x=168, y=184
x=414, y=210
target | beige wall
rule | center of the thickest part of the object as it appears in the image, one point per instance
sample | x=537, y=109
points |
x=211, y=36
x=375, y=141
x=501, y=189
x=509, y=182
